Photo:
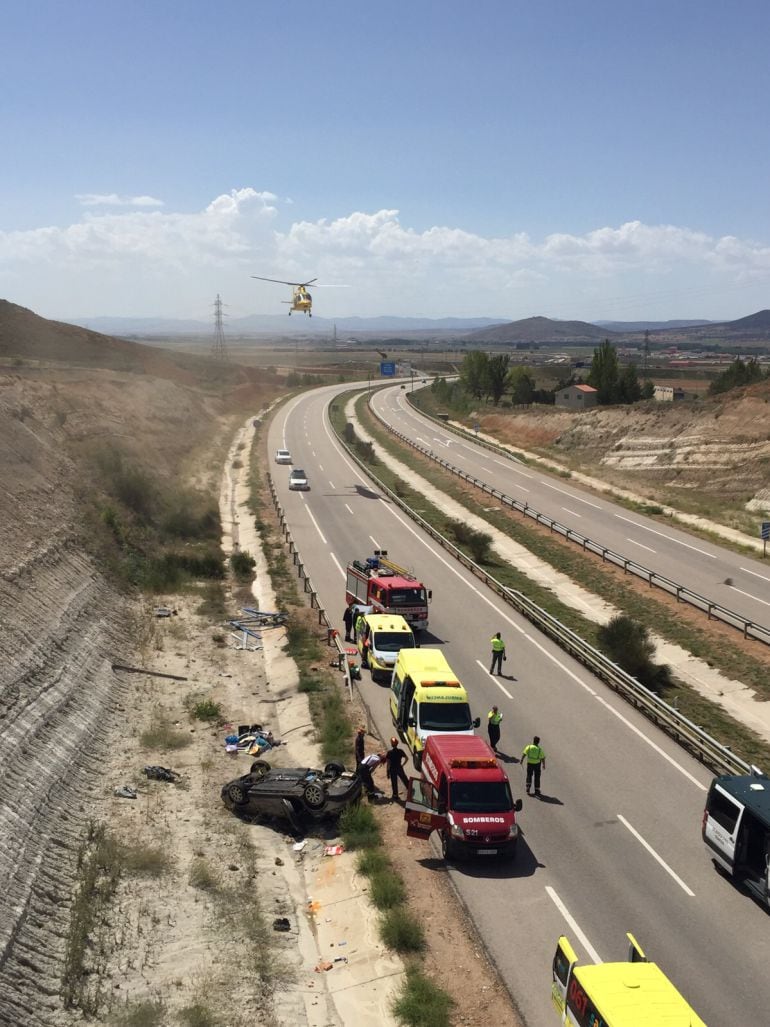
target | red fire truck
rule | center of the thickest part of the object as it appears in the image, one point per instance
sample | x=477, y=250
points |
x=465, y=795
x=379, y=583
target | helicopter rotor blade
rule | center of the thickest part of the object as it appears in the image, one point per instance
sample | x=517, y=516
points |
x=282, y=281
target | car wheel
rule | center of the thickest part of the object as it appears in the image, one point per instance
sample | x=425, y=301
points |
x=237, y=794
x=334, y=770
x=259, y=768
x=314, y=795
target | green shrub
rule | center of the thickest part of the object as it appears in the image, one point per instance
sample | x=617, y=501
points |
x=198, y=1014
x=145, y=860
x=387, y=889
x=476, y=543
x=146, y=1013
x=163, y=736
x=627, y=642
x=372, y=861
x=203, y=877
x=400, y=931
x=359, y=828
x=242, y=564
x=421, y=1003
x=207, y=710
x=307, y=683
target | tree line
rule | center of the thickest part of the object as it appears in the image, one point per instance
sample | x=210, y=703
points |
x=490, y=378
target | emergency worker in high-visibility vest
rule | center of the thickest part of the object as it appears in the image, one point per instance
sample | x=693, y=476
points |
x=498, y=654
x=533, y=757
x=493, y=726
x=359, y=624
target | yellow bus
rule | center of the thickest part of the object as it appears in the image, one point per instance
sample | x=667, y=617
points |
x=633, y=993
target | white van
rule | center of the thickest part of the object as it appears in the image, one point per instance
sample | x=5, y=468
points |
x=736, y=829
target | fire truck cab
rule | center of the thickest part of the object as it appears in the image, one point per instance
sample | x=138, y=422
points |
x=465, y=795
x=379, y=583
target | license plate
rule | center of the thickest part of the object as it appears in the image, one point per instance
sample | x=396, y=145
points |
x=487, y=852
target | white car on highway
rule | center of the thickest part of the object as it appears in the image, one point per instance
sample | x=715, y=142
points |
x=282, y=456
x=298, y=480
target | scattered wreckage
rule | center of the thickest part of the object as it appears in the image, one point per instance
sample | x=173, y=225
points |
x=292, y=794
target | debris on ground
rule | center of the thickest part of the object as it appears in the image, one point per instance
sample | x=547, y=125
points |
x=334, y=850
x=161, y=774
x=281, y=923
x=322, y=965
x=126, y=792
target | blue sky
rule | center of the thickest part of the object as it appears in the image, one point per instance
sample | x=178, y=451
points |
x=594, y=160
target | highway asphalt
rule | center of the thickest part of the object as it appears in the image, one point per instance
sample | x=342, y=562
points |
x=614, y=844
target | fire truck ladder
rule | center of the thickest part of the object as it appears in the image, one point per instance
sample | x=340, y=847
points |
x=382, y=555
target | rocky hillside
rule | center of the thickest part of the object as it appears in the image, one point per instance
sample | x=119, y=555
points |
x=64, y=391
x=717, y=447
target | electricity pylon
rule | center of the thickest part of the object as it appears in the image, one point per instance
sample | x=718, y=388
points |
x=219, y=348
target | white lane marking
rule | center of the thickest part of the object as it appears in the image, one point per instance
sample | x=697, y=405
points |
x=315, y=523
x=332, y=484
x=504, y=616
x=419, y=438
x=576, y=930
x=764, y=577
x=653, y=745
x=662, y=534
x=501, y=687
x=749, y=595
x=503, y=463
x=348, y=508
x=656, y=856
x=441, y=442
x=339, y=565
x=376, y=543
x=571, y=495
x=572, y=512
x=320, y=467
x=640, y=544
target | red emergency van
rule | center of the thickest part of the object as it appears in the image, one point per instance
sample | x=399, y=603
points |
x=465, y=795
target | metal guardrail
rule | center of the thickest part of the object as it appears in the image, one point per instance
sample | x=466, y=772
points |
x=693, y=738
x=749, y=628
x=332, y=635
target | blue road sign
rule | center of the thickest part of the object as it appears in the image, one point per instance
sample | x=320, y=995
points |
x=765, y=530
x=387, y=368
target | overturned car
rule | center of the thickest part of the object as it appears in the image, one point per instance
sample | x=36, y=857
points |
x=294, y=794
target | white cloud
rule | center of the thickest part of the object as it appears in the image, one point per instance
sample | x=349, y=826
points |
x=144, y=260
x=113, y=200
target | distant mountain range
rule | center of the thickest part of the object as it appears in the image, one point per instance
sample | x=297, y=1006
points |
x=276, y=324
x=481, y=330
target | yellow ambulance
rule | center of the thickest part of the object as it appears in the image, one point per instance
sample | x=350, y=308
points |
x=383, y=637
x=427, y=698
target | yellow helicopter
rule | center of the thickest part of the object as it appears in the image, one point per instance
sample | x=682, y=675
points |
x=301, y=299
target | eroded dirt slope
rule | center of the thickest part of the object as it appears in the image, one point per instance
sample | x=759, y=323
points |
x=62, y=624
x=718, y=446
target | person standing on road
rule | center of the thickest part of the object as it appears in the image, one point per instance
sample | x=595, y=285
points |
x=360, y=743
x=396, y=758
x=360, y=624
x=493, y=726
x=498, y=654
x=534, y=757
x=348, y=619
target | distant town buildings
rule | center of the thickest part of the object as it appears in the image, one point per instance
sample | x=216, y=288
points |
x=577, y=397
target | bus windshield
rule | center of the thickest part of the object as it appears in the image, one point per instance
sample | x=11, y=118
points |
x=445, y=716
